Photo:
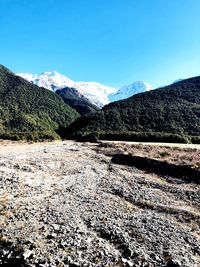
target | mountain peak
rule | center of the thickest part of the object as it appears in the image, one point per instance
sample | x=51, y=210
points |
x=142, y=84
x=97, y=93
x=130, y=90
x=51, y=80
x=51, y=73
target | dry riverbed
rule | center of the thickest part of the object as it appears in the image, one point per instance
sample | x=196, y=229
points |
x=66, y=204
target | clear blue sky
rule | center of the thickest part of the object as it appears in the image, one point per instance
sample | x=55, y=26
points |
x=114, y=42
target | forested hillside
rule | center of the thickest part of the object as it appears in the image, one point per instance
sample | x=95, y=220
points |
x=77, y=101
x=174, y=109
x=25, y=107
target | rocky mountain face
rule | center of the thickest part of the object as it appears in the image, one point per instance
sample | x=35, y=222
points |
x=98, y=94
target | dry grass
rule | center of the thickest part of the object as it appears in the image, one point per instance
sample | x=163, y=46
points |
x=175, y=155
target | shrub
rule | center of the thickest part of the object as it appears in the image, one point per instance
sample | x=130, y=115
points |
x=30, y=136
x=145, y=137
x=91, y=137
x=195, y=139
x=164, y=154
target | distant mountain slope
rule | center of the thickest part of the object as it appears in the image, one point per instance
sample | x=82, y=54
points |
x=130, y=90
x=27, y=107
x=95, y=92
x=77, y=101
x=98, y=94
x=171, y=109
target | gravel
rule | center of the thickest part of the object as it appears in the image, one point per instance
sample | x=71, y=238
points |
x=64, y=204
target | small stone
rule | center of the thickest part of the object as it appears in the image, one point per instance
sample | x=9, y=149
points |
x=51, y=236
x=124, y=260
x=63, y=244
x=56, y=227
x=27, y=254
x=3, y=239
x=157, y=258
x=54, y=235
x=129, y=263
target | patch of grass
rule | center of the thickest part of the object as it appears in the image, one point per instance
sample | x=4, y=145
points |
x=175, y=155
x=164, y=154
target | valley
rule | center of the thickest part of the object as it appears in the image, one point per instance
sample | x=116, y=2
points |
x=67, y=204
x=99, y=133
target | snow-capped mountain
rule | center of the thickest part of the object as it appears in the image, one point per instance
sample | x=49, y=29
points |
x=50, y=80
x=95, y=92
x=130, y=90
x=98, y=94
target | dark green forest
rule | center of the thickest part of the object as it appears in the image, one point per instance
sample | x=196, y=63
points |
x=77, y=101
x=168, y=114
x=174, y=109
x=25, y=108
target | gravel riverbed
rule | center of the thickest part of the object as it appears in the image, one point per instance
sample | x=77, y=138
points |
x=66, y=204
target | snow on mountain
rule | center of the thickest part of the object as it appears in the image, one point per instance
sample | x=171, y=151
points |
x=50, y=80
x=27, y=76
x=130, y=90
x=95, y=92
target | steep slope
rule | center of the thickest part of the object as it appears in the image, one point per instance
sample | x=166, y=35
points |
x=27, y=107
x=171, y=109
x=130, y=90
x=77, y=101
x=95, y=92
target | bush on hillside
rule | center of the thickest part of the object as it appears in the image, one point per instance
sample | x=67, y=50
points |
x=146, y=137
x=30, y=136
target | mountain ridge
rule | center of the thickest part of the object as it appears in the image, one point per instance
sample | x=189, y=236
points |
x=173, y=109
x=98, y=94
x=130, y=90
